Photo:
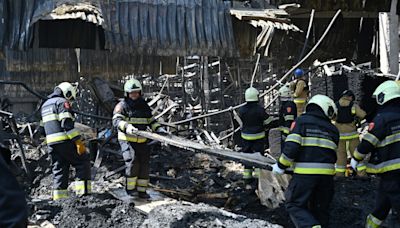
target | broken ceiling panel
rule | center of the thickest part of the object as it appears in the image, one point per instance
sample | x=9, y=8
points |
x=143, y=27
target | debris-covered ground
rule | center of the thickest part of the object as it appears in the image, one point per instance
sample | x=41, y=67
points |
x=197, y=178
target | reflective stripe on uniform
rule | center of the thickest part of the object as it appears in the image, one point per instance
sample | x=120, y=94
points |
x=73, y=133
x=122, y=125
x=131, y=138
x=311, y=141
x=255, y=136
x=389, y=140
x=296, y=138
x=300, y=100
x=117, y=115
x=135, y=120
x=286, y=161
x=65, y=115
x=82, y=187
x=340, y=168
x=383, y=167
x=314, y=168
x=288, y=117
x=142, y=185
x=131, y=183
x=58, y=117
x=268, y=120
x=371, y=139
x=60, y=194
x=361, y=167
x=359, y=156
x=56, y=137
x=353, y=110
x=48, y=118
x=350, y=135
x=247, y=173
x=154, y=126
x=373, y=222
x=319, y=142
x=285, y=130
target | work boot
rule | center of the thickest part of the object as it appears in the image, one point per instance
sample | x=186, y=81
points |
x=144, y=195
x=132, y=192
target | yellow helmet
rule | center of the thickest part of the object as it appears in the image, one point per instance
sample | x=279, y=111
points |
x=251, y=94
x=387, y=91
x=327, y=105
x=68, y=90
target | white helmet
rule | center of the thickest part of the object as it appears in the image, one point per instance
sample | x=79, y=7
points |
x=387, y=91
x=68, y=90
x=285, y=92
x=327, y=105
x=251, y=94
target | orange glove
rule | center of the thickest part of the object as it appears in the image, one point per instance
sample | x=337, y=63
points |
x=80, y=146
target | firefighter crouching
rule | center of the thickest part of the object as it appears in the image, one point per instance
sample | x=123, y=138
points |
x=64, y=142
x=383, y=142
x=131, y=114
x=311, y=149
x=348, y=115
x=301, y=91
x=255, y=121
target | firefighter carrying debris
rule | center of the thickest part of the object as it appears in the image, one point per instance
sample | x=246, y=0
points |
x=130, y=115
x=64, y=142
x=311, y=149
x=255, y=121
x=382, y=141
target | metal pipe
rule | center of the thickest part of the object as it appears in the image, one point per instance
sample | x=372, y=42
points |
x=279, y=82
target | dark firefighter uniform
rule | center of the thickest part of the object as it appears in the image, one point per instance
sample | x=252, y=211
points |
x=287, y=114
x=383, y=141
x=61, y=138
x=134, y=148
x=255, y=121
x=348, y=112
x=13, y=209
x=310, y=149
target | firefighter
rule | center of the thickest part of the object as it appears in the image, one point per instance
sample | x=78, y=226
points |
x=64, y=142
x=13, y=208
x=311, y=149
x=349, y=114
x=301, y=90
x=382, y=141
x=287, y=110
x=255, y=121
x=131, y=114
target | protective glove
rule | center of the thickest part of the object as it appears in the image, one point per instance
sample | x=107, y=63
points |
x=80, y=147
x=131, y=129
x=162, y=131
x=276, y=170
x=354, y=164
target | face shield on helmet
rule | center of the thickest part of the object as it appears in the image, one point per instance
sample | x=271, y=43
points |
x=69, y=91
x=386, y=91
x=132, y=85
x=327, y=105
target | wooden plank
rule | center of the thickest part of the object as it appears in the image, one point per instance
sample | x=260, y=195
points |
x=256, y=159
x=142, y=205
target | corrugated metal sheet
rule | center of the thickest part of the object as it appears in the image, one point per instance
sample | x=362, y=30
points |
x=144, y=27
